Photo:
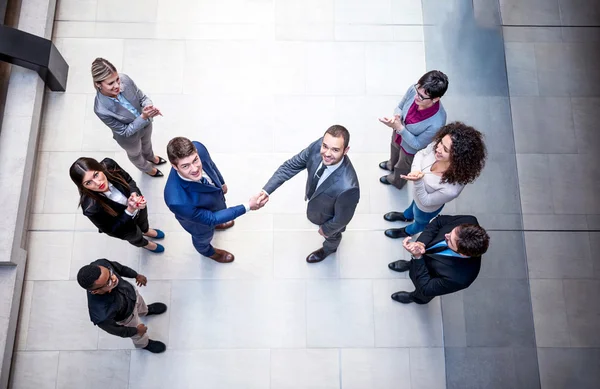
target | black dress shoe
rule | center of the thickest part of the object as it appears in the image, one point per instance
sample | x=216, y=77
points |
x=157, y=174
x=383, y=165
x=156, y=347
x=316, y=256
x=399, y=266
x=160, y=161
x=396, y=233
x=156, y=309
x=396, y=217
x=383, y=180
x=402, y=297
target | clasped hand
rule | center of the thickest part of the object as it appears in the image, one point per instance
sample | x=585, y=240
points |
x=415, y=248
x=150, y=111
x=135, y=201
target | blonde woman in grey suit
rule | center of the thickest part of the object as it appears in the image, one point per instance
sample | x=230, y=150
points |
x=128, y=112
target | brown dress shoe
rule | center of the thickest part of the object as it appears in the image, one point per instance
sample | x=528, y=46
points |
x=224, y=226
x=316, y=256
x=222, y=256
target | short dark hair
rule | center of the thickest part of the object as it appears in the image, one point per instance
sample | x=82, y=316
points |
x=435, y=83
x=336, y=131
x=179, y=148
x=472, y=240
x=88, y=275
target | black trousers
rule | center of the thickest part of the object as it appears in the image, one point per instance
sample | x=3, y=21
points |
x=417, y=296
x=136, y=236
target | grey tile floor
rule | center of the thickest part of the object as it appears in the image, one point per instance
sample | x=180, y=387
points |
x=256, y=81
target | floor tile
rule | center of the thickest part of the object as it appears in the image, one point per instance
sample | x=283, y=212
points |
x=314, y=11
x=585, y=114
x=510, y=315
x=49, y=255
x=549, y=313
x=339, y=313
x=427, y=368
x=453, y=320
x=34, y=369
x=64, y=112
x=24, y=314
x=93, y=369
x=538, y=122
x=142, y=65
x=489, y=367
x=291, y=249
x=237, y=314
x=574, y=182
x=134, y=11
x=77, y=10
x=569, y=367
x=387, y=61
x=530, y=12
x=219, y=369
x=399, y=325
x=77, y=332
x=583, y=312
x=546, y=253
x=386, y=368
x=505, y=257
x=89, y=246
x=335, y=68
x=521, y=69
x=355, y=11
x=366, y=254
x=579, y=12
x=555, y=222
x=305, y=368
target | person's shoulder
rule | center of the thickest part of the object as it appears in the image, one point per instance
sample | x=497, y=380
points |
x=350, y=176
x=458, y=219
x=200, y=148
x=101, y=262
x=109, y=163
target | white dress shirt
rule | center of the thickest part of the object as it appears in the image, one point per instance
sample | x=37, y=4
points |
x=115, y=195
x=210, y=181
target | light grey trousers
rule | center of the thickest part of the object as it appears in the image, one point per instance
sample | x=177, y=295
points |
x=139, y=148
x=134, y=320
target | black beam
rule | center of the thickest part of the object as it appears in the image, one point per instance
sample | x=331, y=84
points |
x=35, y=53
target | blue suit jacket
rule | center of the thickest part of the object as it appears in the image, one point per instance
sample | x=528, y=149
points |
x=200, y=207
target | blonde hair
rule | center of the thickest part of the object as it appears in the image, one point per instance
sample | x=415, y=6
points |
x=101, y=70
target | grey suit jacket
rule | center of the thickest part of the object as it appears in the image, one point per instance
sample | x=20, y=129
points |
x=122, y=122
x=333, y=204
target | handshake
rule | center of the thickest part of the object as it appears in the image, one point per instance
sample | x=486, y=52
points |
x=259, y=200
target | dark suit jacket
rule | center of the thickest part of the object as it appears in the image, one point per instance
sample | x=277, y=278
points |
x=435, y=275
x=333, y=204
x=200, y=207
x=121, y=224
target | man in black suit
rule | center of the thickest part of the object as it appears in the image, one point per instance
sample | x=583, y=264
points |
x=445, y=258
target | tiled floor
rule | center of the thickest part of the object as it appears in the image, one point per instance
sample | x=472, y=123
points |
x=258, y=80
x=255, y=81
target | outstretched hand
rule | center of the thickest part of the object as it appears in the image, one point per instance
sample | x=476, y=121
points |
x=394, y=122
x=413, y=176
x=263, y=198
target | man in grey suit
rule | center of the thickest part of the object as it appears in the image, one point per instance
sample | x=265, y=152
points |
x=128, y=112
x=332, y=187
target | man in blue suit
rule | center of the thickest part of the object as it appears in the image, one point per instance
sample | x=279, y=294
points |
x=195, y=193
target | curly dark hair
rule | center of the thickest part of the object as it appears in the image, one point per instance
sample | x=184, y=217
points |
x=467, y=154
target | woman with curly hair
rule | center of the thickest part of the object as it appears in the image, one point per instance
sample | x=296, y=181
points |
x=111, y=199
x=454, y=159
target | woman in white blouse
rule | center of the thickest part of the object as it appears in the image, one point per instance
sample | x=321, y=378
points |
x=455, y=158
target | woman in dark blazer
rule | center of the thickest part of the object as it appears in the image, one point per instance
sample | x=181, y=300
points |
x=112, y=201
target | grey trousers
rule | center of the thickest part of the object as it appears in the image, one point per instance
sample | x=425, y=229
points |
x=140, y=309
x=400, y=163
x=139, y=148
x=332, y=242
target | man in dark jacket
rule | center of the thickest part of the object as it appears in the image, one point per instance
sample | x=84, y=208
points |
x=115, y=305
x=445, y=258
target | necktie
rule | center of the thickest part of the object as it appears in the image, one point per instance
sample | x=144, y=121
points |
x=315, y=181
x=438, y=249
x=205, y=181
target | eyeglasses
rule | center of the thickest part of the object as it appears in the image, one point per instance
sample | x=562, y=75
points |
x=110, y=283
x=421, y=97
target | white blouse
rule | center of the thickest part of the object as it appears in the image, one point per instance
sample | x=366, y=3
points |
x=429, y=193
